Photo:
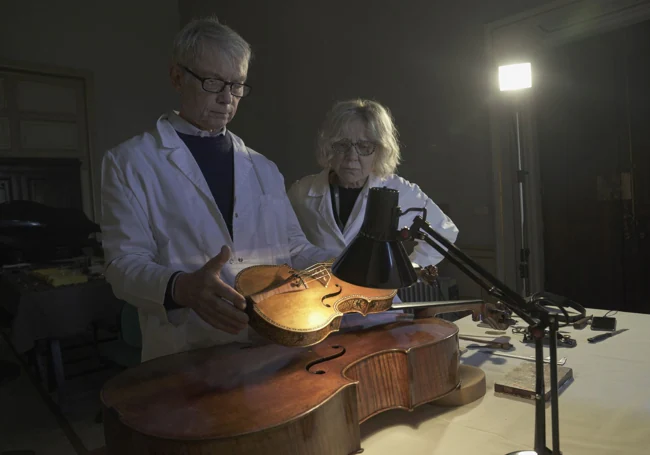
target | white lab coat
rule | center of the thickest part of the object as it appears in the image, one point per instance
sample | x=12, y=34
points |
x=312, y=202
x=159, y=216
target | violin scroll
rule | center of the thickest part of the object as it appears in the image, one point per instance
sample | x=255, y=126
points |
x=429, y=274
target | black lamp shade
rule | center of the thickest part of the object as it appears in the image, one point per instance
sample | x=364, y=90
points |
x=376, y=258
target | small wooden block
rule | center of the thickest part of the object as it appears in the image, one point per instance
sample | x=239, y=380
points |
x=472, y=387
x=520, y=381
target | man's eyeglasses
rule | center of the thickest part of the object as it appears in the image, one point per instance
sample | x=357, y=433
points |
x=216, y=85
x=364, y=148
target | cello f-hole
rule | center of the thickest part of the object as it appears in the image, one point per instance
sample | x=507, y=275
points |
x=339, y=353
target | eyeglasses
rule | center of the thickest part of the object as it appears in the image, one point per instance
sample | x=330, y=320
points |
x=216, y=85
x=364, y=148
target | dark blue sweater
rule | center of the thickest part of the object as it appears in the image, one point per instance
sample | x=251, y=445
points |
x=215, y=156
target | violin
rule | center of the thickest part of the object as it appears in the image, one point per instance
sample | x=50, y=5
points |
x=248, y=400
x=303, y=307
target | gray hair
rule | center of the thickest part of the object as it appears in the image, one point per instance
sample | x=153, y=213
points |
x=379, y=126
x=192, y=39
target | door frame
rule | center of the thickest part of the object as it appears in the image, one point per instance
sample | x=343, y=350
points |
x=88, y=162
x=524, y=38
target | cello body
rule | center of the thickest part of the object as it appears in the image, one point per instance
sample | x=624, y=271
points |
x=268, y=399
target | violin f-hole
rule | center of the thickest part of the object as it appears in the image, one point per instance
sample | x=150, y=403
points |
x=329, y=296
x=341, y=351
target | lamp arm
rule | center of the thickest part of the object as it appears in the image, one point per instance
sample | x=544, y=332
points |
x=531, y=310
x=422, y=230
x=415, y=209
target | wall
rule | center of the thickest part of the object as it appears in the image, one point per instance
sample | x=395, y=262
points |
x=124, y=43
x=423, y=60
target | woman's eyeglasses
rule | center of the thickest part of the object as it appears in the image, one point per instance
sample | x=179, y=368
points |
x=364, y=148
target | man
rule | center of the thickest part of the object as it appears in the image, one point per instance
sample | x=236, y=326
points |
x=187, y=205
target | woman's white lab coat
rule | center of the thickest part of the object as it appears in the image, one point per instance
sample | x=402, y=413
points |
x=312, y=202
x=159, y=216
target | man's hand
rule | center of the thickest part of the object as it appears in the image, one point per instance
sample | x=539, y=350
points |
x=205, y=292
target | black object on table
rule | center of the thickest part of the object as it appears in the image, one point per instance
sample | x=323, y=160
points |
x=604, y=336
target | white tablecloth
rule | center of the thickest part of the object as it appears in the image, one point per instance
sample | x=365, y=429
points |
x=605, y=410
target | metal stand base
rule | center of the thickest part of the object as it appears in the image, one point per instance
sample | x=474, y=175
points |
x=533, y=310
x=549, y=321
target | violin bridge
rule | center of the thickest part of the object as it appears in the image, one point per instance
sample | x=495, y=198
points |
x=322, y=275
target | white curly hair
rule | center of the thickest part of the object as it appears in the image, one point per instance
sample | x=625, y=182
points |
x=380, y=129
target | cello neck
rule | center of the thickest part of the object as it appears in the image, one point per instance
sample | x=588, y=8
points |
x=495, y=315
x=442, y=306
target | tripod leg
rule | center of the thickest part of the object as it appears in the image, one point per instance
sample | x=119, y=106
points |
x=540, y=411
x=555, y=412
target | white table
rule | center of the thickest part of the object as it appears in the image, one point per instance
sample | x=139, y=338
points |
x=605, y=410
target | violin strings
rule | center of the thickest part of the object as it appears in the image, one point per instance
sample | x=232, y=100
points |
x=316, y=277
x=316, y=268
x=317, y=265
x=317, y=271
x=306, y=282
x=307, y=272
x=319, y=274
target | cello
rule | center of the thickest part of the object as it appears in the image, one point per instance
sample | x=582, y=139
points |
x=267, y=399
x=278, y=398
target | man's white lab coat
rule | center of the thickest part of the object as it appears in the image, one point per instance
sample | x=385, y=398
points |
x=159, y=217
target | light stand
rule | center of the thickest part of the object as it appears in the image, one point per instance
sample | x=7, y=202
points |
x=531, y=310
x=524, y=252
x=518, y=77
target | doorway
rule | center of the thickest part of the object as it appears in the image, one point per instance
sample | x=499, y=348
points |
x=592, y=112
x=45, y=146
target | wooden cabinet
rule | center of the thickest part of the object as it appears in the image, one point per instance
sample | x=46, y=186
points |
x=54, y=182
x=44, y=140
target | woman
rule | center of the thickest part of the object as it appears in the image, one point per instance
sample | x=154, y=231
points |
x=358, y=149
